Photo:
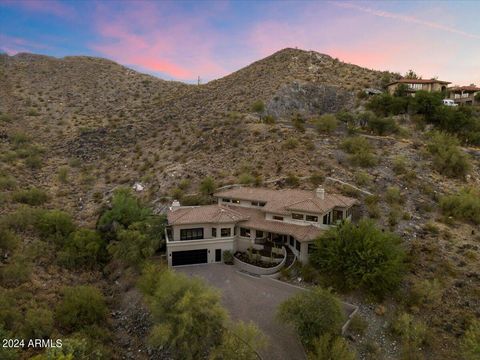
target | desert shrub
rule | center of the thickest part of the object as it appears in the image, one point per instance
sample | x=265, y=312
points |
x=7, y=353
x=362, y=178
x=133, y=246
x=470, y=343
x=246, y=179
x=5, y=118
x=84, y=247
x=269, y=119
x=326, y=123
x=241, y=341
x=448, y=158
x=208, y=186
x=317, y=178
x=7, y=182
x=292, y=180
x=412, y=333
x=19, y=139
x=187, y=315
x=72, y=348
x=125, y=210
x=55, y=225
x=21, y=219
x=371, y=203
x=290, y=143
x=32, y=196
x=330, y=347
x=33, y=161
x=258, y=106
x=194, y=200
x=360, y=150
x=393, y=196
x=426, y=292
x=10, y=315
x=81, y=306
x=382, y=125
x=38, y=323
x=399, y=165
x=16, y=272
x=358, y=325
x=63, y=174
x=298, y=122
x=385, y=105
x=360, y=256
x=8, y=239
x=464, y=205
x=312, y=314
x=345, y=117
x=184, y=184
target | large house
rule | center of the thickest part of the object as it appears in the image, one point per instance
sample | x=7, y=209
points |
x=414, y=85
x=464, y=95
x=246, y=216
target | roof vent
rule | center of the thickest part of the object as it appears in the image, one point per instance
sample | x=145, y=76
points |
x=320, y=192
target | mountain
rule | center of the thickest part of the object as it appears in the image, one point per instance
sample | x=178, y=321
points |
x=103, y=125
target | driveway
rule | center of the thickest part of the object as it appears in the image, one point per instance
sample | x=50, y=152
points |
x=249, y=298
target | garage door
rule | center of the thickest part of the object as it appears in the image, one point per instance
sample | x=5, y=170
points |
x=189, y=257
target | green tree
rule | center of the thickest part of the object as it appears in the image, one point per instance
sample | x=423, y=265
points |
x=133, y=246
x=125, y=210
x=410, y=74
x=81, y=306
x=330, y=347
x=470, y=344
x=208, y=186
x=187, y=315
x=240, y=341
x=360, y=256
x=312, y=314
x=83, y=247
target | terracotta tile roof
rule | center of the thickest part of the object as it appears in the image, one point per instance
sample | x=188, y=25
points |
x=419, y=81
x=256, y=220
x=464, y=88
x=203, y=214
x=284, y=201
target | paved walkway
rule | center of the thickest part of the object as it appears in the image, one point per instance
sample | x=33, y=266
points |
x=249, y=298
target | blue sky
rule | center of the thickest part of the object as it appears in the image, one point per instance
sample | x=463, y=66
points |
x=183, y=40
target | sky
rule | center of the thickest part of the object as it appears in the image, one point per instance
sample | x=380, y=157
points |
x=181, y=40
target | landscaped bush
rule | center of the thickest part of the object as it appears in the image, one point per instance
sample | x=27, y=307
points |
x=81, y=306
x=464, y=205
x=55, y=225
x=470, y=344
x=330, y=347
x=360, y=151
x=448, y=158
x=240, y=341
x=360, y=256
x=227, y=257
x=32, y=196
x=83, y=247
x=312, y=313
x=326, y=123
x=187, y=316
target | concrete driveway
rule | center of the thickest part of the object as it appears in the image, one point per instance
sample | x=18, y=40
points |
x=249, y=298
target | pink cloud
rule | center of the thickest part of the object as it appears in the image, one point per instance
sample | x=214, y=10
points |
x=14, y=45
x=150, y=37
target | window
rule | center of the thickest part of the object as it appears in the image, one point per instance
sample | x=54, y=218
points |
x=415, y=86
x=337, y=215
x=244, y=232
x=326, y=219
x=297, y=245
x=292, y=241
x=234, y=231
x=258, y=203
x=297, y=216
x=225, y=232
x=311, y=248
x=191, y=234
x=226, y=200
x=275, y=217
x=258, y=233
x=311, y=218
x=349, y=212
x=214, y=232
x=235, y=201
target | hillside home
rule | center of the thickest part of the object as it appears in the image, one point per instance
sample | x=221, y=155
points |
x=414, y=85
x=246, y=216
x=464, y=95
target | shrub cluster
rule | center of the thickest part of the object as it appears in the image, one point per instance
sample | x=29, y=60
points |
x=448, y=158
x=360, y=256
x=360, y=150
x=464, y=205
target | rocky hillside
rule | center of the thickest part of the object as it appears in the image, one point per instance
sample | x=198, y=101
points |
x=78, y=127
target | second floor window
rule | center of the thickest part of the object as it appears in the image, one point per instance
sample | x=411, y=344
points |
x=225, y=232
x=297, y=216
x=275, y=217
x=214, y=232
x=191, y=234
x=326, y=219
x=311, y=218
x=244, y=232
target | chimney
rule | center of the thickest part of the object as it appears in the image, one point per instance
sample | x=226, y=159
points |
x=320, y=192
x=175, y=205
